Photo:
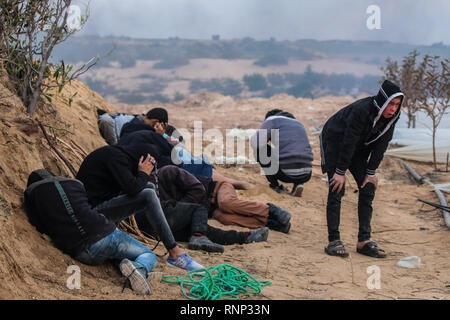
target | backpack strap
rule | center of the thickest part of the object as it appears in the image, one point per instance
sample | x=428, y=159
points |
x=48, y=180
x=69, y=208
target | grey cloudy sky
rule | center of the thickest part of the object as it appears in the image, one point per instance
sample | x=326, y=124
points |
x=407, y=21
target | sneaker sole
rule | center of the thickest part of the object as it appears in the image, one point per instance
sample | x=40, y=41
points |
x=298, y=192
x=287, y=228
x=138, y=283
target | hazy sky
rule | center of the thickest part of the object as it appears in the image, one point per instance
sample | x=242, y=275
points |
x=409, y=21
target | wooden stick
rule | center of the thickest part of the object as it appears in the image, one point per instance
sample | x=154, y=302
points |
x=79, y=156
x=438, y=192
x=69, y=165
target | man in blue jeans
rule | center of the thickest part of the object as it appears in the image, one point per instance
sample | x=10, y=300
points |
x=116, y=181
x=59, y=208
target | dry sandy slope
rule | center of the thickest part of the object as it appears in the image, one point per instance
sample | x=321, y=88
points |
x=32, y=268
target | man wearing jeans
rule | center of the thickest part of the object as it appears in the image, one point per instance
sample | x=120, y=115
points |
x=355, y=139
x=116, y=181
x=59, y=208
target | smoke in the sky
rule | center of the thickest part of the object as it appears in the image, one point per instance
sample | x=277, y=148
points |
x=407, y=21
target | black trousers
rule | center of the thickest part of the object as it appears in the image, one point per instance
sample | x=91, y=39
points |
x=273, y=179
x=366, y=196
x=185, y=219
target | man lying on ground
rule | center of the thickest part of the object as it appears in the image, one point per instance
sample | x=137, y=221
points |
x=184, y=202
x=220, y=199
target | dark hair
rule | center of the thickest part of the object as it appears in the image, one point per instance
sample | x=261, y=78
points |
x=170, y=130
x=159, y=114
x=273, y=112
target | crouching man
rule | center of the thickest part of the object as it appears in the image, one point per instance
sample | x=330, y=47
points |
x=59, y=208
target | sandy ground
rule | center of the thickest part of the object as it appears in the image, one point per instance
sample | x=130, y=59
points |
x=295, y=264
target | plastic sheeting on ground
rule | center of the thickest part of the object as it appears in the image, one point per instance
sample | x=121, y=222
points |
x=417, y=144
x=443, y=187
x=422, y=152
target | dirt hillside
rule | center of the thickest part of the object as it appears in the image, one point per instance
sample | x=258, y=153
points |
x=32, y=268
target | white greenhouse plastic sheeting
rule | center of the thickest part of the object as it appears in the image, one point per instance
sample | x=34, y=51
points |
x=416, y=144
x=443, y=187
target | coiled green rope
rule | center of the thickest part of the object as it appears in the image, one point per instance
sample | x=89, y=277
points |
x=224, y=282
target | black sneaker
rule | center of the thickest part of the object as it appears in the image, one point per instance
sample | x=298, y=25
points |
x=278, y=214
x=277, y=226
x=258, y=235
x=203, y=243
x=279, y=188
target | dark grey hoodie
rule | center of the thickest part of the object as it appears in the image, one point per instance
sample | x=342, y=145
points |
x=293, y=144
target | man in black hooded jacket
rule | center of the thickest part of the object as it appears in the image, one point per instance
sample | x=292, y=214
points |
x=355, y=139
x=116, y=181
x=59, y=207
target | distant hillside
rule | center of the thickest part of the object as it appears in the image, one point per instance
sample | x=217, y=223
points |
x=79, y=49
x=163, y=70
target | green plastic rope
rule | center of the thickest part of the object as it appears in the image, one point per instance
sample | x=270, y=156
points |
x=224, y=282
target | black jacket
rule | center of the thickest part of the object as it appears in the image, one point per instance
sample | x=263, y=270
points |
x=177, y=184
x=71, y=230
x=112, y=170
x=153, y=138
x=359, y=130
x=137, y=124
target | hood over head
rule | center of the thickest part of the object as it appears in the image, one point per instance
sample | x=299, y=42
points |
x=39, y=175
x=388, y=91
x=135, y=152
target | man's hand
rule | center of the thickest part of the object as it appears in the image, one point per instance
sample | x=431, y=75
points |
x=370, y=179
x=146, y=165
x=160, y=127
x=337, y=182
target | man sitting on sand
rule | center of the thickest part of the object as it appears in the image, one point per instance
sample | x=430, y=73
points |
x=59, y=208
x=289, y=155
x=116, y=181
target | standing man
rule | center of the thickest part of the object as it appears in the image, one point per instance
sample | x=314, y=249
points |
x=355, y=139
x=290, y=151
